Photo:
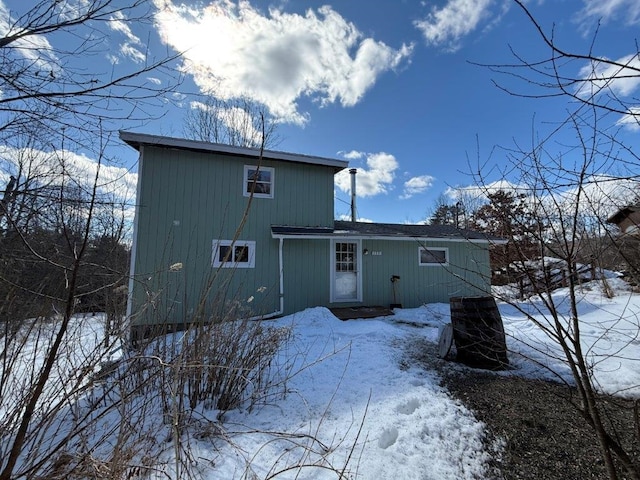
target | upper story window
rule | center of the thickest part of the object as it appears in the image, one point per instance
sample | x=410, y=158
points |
x=258, y=180
x=238, y=254
x=433, y=256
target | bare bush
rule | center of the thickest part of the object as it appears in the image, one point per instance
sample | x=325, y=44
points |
x=222, y=365
x=79, y=424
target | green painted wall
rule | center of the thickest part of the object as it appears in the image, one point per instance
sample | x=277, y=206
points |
x=308, y=278
x=186, y=200
x=306, y=272
x=467, y=274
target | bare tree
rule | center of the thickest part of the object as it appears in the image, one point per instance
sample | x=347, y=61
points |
x=46, y=86
x=596, y=88
x=237, y=121
x=567, y=210
x=445, y=213
x=63, y=414
x=508, y=215
x=51, y=104
x=76, y=243
x=583, y=77
x=571, y=194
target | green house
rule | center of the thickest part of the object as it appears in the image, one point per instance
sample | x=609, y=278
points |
x=221, y=228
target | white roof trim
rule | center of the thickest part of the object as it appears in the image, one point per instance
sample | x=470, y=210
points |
x=136, y=140
x=387, y=238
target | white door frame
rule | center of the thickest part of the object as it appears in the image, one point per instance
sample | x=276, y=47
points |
x=334, y=296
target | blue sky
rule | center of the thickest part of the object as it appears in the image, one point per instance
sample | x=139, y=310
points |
x=393, y=86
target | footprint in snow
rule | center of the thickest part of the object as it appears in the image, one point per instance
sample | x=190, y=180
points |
x=388, y=437
x=408, y=407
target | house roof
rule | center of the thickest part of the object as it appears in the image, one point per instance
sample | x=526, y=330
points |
x=384, y=231
x=623, y=213
x=137, y=140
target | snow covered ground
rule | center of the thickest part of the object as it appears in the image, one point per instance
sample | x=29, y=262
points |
x=610, y=334
x=361, y=394
x=367, y=393
x=359, y=404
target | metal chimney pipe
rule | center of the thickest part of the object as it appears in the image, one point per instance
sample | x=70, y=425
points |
x=353, y=172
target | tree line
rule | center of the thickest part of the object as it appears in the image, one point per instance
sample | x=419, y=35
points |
x=515, y=217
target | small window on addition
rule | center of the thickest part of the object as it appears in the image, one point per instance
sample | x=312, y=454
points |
x=259, y=180
x=238, y=254
x=433, y=256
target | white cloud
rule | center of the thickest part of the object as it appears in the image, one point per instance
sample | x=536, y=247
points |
x=478, y=194
x=631, y=121
x=115, y=185
x=129, y=48
x=275, y=59
x=73, y=9
x=598, y=197
x=375, y=179
x=448, y=25
x=129, y=51
x=621, y=80
x=416, y=185
x=54, y=167
x=118, y=23
x=628, y=11
x=352, y=155
x=347, y=218
x=235, y=119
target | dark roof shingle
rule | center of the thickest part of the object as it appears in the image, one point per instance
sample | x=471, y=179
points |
x=391, y=230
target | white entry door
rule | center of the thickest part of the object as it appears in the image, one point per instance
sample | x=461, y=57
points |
x=345, y=272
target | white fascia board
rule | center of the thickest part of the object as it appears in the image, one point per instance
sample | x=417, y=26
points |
x=136, y=140
x=385, y=238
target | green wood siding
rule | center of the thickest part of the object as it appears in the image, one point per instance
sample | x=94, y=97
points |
x=188, y=199
x=467, y=274
x=307, y=273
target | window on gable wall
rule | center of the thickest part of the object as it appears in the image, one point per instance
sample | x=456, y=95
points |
x=227, y=254
x=433, y=256
x=258, y=180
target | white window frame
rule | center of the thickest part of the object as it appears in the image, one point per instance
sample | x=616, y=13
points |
x=232, y=263
x=246, y=189
x=433, y=264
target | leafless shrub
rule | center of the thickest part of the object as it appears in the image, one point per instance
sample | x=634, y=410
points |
x=223, y=364
x=86, y=423
x=571, y=193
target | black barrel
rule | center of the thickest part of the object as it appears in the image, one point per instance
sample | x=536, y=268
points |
x=478, y=332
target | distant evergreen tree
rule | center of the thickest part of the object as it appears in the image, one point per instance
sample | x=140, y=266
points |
x=509, y=216
x=444, y=215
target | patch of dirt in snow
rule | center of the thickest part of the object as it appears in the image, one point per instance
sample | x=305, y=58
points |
x=542, y=434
